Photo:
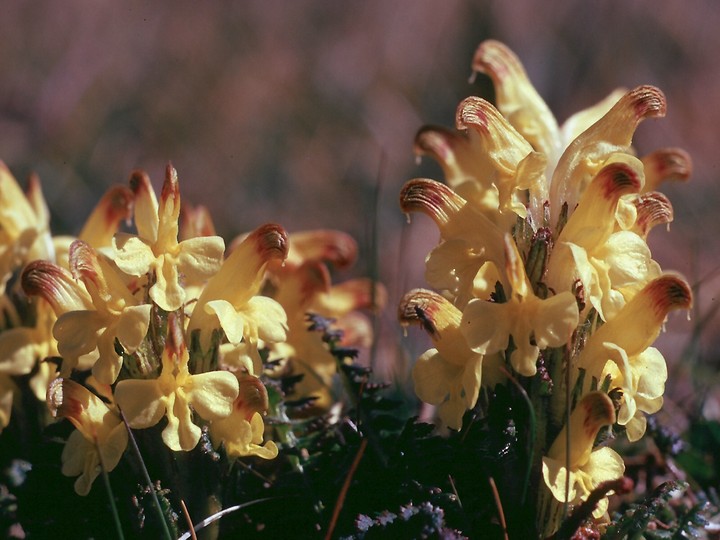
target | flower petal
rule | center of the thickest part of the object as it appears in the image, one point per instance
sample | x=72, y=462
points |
x=232, y=322
x=200, y=258
x=77, y=332
x=212, y=394
x=180, y=434
x=132, y=255
x=142, y=402
x=133, y=326
x=269, y=317
x=433, y=376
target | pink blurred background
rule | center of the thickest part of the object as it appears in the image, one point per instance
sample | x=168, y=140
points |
x=297, y=111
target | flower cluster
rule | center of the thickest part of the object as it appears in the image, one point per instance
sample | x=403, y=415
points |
x=543, y=271
x=160, y=327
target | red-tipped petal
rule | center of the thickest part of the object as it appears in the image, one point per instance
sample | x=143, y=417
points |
x=114, y=208
x=653, y=209
x=432, y=198
x=667, y=164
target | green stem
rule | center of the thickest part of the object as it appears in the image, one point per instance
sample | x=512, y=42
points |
x=146, y=475
x=109, y=491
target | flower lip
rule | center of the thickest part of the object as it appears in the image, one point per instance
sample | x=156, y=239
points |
x=618, y=179
x=170, y=188
x=271, y=242
x=653, y=209
x=477, y=113
x=433, y=141
x=428, y=309
x=81, y=257
x=648, y=102
x=673, y=164
x=496, y=59
x=140, y=182
x=430, y=197
x=669, y=292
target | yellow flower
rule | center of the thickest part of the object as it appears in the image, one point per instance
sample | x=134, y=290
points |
x=156, y=251
x=450, y=374
x=572, y=476
x=490, y=164
x=24, y=348
x=333, y=247
x=101, y=436
x=533, y=323
x=57, y=287
x=24, y=225
x=230, y=298
x=242, y=431
x=176, y=394
x=624, y=342
x=471, y=244
x=114, y=207
x=611, y=264
x=582, y=146
x=116, y=315
x=307, y=289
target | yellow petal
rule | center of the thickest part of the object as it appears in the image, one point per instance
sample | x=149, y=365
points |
x=555, y=320
x=268, y=317
x=487, y=326
x=638, y=323
x=145, y=206
x=232, y=322
x=132, y=255
x=132, y=326
x=180, y=434
x=7, y=389
x=212, y=394
x=109, y=362
x=113, y=208
x=56, y=286
x=594, y=411
x=17, y=351
x=200, y=258
x=432, y=376
x=77, y=332
x=167, y=292
x=142, y=402
x=556, y=479
x=16, y=214
x=666, y=164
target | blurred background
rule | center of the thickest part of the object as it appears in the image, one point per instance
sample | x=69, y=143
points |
x=303, y=112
